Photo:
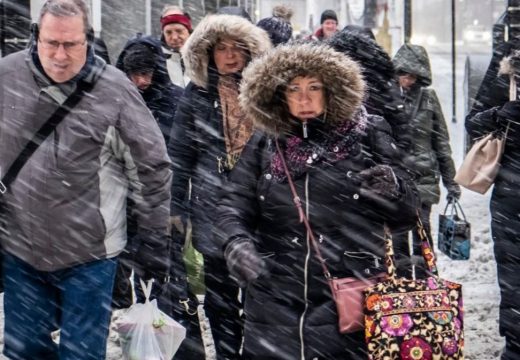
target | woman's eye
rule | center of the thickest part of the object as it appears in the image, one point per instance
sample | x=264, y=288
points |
x=293, y=89
x=316, y=87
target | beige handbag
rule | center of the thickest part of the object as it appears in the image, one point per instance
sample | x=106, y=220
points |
x=480, y=166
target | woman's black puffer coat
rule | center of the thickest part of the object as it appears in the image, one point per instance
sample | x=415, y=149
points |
x=290, y=313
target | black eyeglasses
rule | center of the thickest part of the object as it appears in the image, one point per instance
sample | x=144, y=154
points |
x=68, y=46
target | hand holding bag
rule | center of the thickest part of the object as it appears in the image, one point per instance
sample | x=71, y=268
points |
x=347, y=292
x=414, y=319
x=482, y=162
x=454, y=237
x=148, y=333
x=480, y=166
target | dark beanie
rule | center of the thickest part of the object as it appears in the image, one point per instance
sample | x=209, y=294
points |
x=328, y=14
x=278, y=26
x=139, y=58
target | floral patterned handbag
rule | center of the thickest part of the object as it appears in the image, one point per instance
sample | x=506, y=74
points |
x=414, y=319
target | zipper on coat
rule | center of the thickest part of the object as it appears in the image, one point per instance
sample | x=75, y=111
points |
x=304, y=128
x=306, y=272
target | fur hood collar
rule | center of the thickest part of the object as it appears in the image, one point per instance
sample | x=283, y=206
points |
x=197, y=50
x=264, y=79
x=510, y=65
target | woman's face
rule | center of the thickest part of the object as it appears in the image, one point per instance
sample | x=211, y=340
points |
x=407, y=80
x=230, y=56
x=305, y=97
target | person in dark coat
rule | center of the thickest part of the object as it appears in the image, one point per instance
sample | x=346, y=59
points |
x=492, y=110
x=279, y=25
x=308, y=98
x=383, y=99
x=143, y=61
x=208, y=135
x=383, y=96
x=429, y=155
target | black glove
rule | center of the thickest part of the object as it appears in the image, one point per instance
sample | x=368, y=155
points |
x=151, y=257
x=509, y=111
x=243, y=261
x=379, y=182
x=453, y=193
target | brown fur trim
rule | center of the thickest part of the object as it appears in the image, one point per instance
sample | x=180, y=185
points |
x=212, y=28
x=264, y=78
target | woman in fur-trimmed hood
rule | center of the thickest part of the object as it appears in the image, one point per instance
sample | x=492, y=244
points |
x=208, y=135
x=307, y=98
x=493, y=110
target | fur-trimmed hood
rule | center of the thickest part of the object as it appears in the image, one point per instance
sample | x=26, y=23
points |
x=266, y=76
x=196, y=51
x=510, y=65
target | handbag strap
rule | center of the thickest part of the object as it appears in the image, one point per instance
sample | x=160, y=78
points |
x=428, y=255
x=512, y=88
x=426, y=249
x=303, y=217
x=43, y=132
x=455, y=208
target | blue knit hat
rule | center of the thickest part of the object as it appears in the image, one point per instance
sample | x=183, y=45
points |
x=279, y=25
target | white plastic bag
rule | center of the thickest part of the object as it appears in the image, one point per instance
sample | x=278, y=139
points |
x=146, y=333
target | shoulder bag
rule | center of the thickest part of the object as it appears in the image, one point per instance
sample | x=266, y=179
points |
x=43, y=132
x=482, y=163
x=347, y=292
x=414, y=319
x=454, y=238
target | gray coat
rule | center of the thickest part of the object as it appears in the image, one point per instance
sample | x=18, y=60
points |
x=67, y=206
x=430, y=152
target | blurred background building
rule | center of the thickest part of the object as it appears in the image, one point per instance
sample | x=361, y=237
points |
x=430, y=21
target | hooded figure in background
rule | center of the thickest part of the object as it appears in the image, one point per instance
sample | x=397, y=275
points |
x=429, y=155
x=144, y=63
x=493, y=111
x=308, y=99
x=279, y=25
x=208, y=136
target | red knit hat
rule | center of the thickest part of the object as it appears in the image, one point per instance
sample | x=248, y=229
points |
x=176, y=19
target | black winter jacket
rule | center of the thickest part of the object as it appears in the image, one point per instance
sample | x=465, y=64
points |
x=348, y=227
x=487, y=116
x=197, y=145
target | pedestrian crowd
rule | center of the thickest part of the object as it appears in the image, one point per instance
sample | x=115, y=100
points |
x=194, y=138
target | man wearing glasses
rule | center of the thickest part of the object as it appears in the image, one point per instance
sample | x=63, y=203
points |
x=64, y=215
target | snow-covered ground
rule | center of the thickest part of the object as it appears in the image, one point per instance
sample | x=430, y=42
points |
x=478, y=275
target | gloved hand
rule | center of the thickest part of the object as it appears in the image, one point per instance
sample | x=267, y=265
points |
x=509, y=111
x=453, y=193
x=379, y=181
x=243, y=261
x=151, y=257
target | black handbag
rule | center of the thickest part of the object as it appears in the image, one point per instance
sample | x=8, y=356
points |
x=454, y=237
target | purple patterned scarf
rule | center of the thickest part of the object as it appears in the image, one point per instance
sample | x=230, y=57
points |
x=302, y=154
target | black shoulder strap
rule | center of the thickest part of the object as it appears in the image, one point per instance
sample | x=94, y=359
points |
x=44, y=131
